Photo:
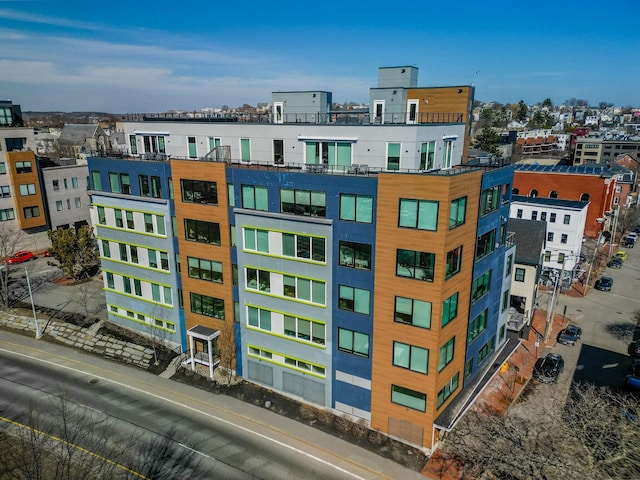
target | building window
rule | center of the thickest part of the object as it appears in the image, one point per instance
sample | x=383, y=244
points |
x=409, y=398
x=143, y=184
x=133, y=146
x=486, y=349
x=27, y=189
x=356, y=208
x=480, y=286
x=208, y=306
x=231, y=194
x=446, y=354
x=413, y=312
x=23, y=167
x=68, y=204
x=59, y=206
x=74, y=182
x=449, y=309
x=489, y=200
x=458, y=212
x=56, y=184
x=468, y=368
x=564, y=238
x=193, y=148
x=125, y=183
x=255, y=198
x=259, y=318
x=278, y=151
x=560, y=257
x=411, y=357
x=31, y=212
x=7, y=214
x=533, y=193
x=486, y=244
x=547, y=255
x=454, y=262
x=519, y=276
x=393, y=156
x=549, y=236
x=114, y=182
x=447, y=390
x=477, y=326
x=123, y=252
x=515, y=191
x=5, y=191
x=130, y=223
x=303, y=246
x=519, y=213
x=204, y=269
x=355, y=255
x=199, y=191
x=294, y=287
x=303, y=202
x=356, y=343
x=118, y=216
x=534, y=215
x=3, y=166
x=308, y=330
x=585, y=196
x=245, y=150
x=567, y=219
x=148, y=223
x=420, y=214
x=412, y=264
x=543, y=216
x=96, y=180
x=256, y=240
x=202, y=232
x=354, y=299
x=505, y=300
x=447, y=154
x=552, y=217
x=110, y=281
x=553, y=194
x=102, y=219
x=509, y=265
x=156, y=187
x=427, y=154
x=78, y=202
x=152, y=255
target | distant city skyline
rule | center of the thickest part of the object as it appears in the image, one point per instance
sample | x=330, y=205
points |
x=157, y=56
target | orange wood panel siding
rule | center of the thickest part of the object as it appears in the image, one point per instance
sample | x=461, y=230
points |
x=446, y=100
x=21, y=202
x=390, y=237
x=212, y=172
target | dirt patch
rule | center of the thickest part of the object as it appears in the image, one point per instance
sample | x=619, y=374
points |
x=353, y=432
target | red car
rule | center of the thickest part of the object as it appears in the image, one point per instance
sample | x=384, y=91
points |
x=19, y=257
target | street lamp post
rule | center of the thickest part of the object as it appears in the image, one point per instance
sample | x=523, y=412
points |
x=615, y=226
x=33, y=305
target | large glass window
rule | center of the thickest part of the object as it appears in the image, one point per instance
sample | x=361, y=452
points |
x=393, y=156
x=353, y=342
x=413, y=312
x=458, y=212
x=449, y=309
x=30, y=212
x=420, y=214
x=477, y=326
x=209, y=306
x=114, y=182
x=258, y=279
x=23, y=167
x=354, y=299
x=255, y=198
x=448, y=389
x=480, y=286
x=256, y=240
x=303, y=289
x=411, y=357
x=125, y=183
x=486, y=244
x=303, y=246
x=278, y=151
x=205, y=269
x=259, y=318
x=96, y=180
x=199, y=191
x=519, y=275
x=355, y=255
x=193, y=148
x=27, y=189
x=486, y=349
x=305, y=329
x=303, y=202
x=418, y=265
x=202, y=232
x=245, y=149
x=489, y=199
x=102, y=219
x=409, y=398
x=454, y=262
x=356, y=208
x=446, y=354
x=427, y=154
x=328, y=153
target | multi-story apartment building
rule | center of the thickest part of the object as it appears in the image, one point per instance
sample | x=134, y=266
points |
x=361, y=265
x=599, y=150
x=65, y=186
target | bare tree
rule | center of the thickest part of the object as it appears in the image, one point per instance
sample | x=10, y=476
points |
x=593, y=434
x=227, y=350
x=9, y=239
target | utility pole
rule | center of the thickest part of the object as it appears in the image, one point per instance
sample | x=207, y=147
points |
x=33, y=306
x=615, y=226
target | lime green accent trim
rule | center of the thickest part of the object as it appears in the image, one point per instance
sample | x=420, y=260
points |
x=140, y=321
x=287, y=337
x=135, y=265
x=130, y=295
x=286, y=313
x=113, y=207
x=298, y=300
x=283, y=231
x=137, y=232
x=287, y=273
x=270, y=360
x=138, y=278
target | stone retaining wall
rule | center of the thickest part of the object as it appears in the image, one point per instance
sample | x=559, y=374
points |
x=83, y=338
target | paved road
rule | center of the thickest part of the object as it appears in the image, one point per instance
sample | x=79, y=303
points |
x=226, y=432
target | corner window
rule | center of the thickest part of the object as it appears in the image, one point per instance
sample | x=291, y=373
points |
x=411, y=357
x=420, y=214
x=449, y=309
x=477, y=326
x=409, y=398
x=489, y=200
x=454, y=262
x=446, y=354
x=458, y=212
x=447, y=390
x=412, y=264
x=485, y=244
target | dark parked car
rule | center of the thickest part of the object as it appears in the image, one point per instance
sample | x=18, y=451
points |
x=604, y=284
x=570, y=335
x=547, y=369
x=615, y=262
x=634, y=350
x=629, y=242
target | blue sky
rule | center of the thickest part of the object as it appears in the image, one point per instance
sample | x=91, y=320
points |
x=150, y=56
